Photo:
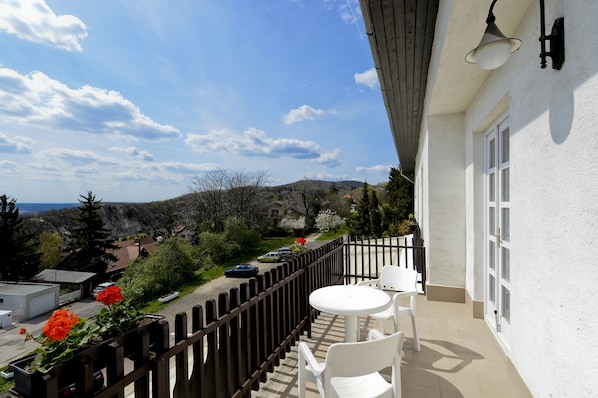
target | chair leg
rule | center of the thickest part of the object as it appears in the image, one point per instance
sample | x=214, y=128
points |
x=415, y=334
x=302, y=375
x=381, y=325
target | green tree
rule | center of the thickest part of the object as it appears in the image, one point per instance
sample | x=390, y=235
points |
x=375, y=216
x=18, y=257
x=235, y=230
x=168, y=267
x=400, y=193
x=400, y=199
x=50, y=249
x=91, y=241
x=364, y=212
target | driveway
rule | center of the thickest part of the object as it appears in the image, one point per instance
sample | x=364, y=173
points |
x=206, y=292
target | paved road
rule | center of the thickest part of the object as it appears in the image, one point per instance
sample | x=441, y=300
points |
x=13, y=346
x=205, y=292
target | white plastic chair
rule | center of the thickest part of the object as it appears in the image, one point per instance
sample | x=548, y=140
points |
x=352, y=369
x=403, y=281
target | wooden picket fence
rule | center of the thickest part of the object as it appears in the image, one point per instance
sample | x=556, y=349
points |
x=232, y=343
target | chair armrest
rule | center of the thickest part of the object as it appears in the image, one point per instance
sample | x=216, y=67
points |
x=375, y=334
x=407, y=293
x=371, y=282
x=306, y=355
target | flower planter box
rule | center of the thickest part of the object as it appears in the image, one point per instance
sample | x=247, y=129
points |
x=32, y=384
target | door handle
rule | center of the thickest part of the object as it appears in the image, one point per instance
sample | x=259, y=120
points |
x=497, y=236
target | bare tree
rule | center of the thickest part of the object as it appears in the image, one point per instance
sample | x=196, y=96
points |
x=309, y=198
x=220, y=194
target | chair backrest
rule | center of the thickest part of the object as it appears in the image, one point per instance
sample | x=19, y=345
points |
x=364, y=357
x=397, y=278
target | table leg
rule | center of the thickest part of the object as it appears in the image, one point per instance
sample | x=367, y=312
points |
x=351, y=322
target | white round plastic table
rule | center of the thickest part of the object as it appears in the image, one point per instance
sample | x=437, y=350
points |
x=350, y=301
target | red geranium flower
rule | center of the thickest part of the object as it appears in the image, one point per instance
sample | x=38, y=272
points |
x=110, y=295
x=59, y=324
x=22, y=331
x=301, y=241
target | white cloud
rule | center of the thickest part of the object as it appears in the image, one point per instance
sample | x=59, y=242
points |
x=253, y=142
x=368, y=78
x=38, y=100
x=86, y=170
x=373, y=169
x=7, y=165
x=304, y=112
x=188, y=168
x=350, y=11
x=34, y=21
x=15, y=145
x=73, y=157
x=134, y=152
x=329, y=159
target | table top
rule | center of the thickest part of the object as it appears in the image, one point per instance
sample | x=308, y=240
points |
x=349, y=300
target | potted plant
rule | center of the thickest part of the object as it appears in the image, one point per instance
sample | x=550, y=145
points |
x=66, y=336
x=299, y=245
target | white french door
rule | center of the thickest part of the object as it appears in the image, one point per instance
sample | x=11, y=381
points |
x=498, y=232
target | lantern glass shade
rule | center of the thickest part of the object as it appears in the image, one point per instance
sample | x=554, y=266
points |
x=494, y=49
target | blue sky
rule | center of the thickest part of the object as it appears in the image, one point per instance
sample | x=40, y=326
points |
x=132, y=99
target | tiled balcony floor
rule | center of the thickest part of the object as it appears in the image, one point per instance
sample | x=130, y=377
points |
x=458, y=357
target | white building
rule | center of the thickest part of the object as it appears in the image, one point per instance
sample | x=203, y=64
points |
x=505, y=164
x=28, y=300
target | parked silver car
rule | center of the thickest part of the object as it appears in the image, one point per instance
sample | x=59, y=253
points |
x=270, y=257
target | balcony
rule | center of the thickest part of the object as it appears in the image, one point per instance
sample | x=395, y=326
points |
x=247, y=338
x=458, y=357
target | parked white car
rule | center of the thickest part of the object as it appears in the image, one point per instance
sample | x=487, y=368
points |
x=100, y=287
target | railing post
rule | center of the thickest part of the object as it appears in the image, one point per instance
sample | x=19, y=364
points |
x=224, y=352
x=161, y=370
x=198, y=373
x=181, y=385
x=212, y=377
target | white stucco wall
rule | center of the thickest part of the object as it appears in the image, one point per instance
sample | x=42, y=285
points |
x=554, y=201
x=474, y=215
x=446, y=190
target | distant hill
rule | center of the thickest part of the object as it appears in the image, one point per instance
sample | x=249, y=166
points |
x=128, y=219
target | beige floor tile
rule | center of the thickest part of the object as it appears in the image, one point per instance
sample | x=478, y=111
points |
x=458, y=358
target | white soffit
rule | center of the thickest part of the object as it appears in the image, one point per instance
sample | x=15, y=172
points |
x=456, y=81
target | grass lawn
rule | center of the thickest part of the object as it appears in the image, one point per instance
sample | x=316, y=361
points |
x=6, y=385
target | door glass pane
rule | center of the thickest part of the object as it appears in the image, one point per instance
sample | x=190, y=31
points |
x=506, y=303
x=505, y=230
x=491, y=255
x=504, y=146
x=491, y=156
x=491, y=187
x=505, y=264
x=491, y=221
x=491, y=289
x=505, y=185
